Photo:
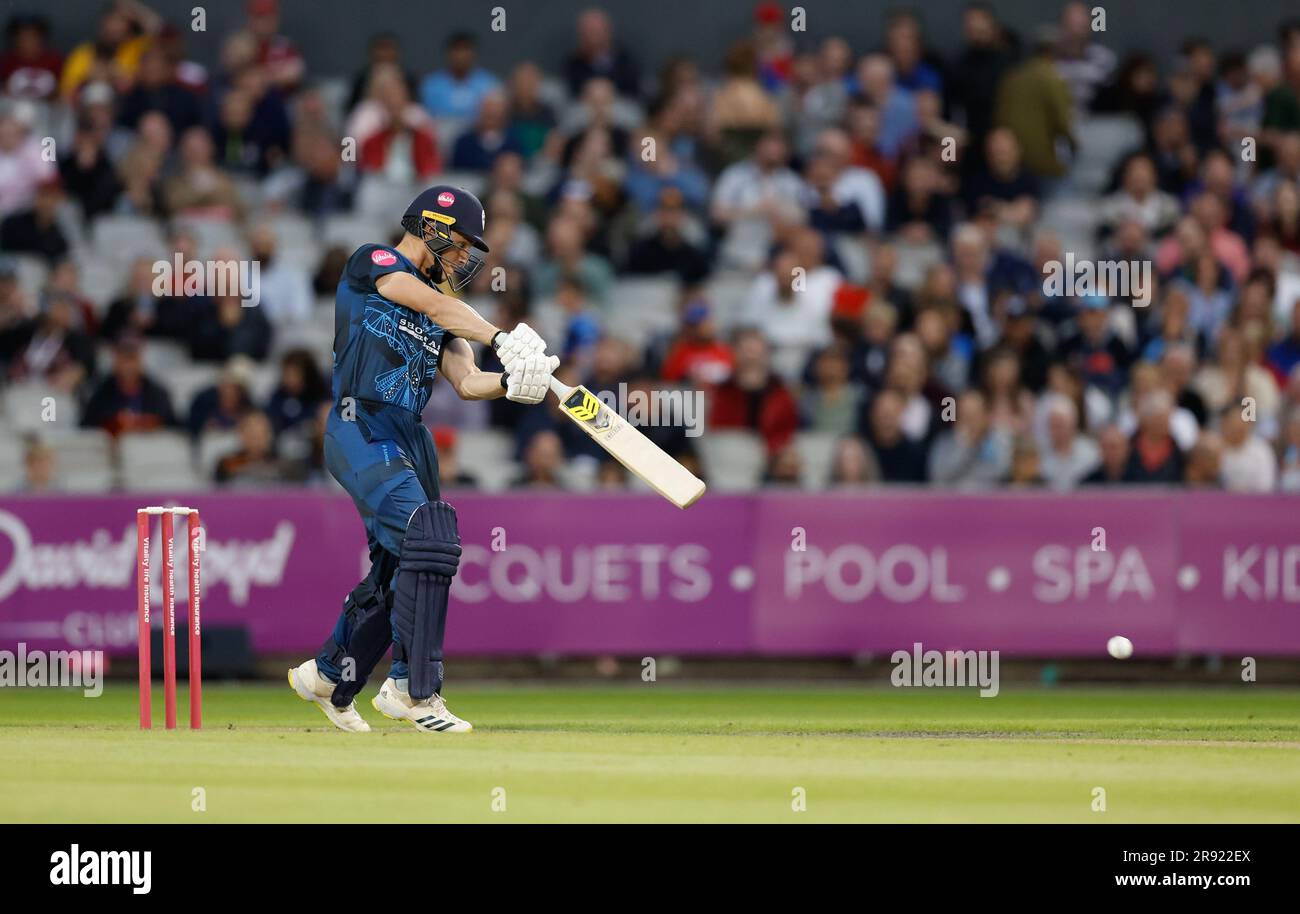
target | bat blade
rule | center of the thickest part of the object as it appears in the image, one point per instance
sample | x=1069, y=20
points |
x=626, y=444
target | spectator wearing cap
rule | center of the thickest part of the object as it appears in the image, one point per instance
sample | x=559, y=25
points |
x=1020, y=333
x=975, y=453
x=696, y=357
x=1249, y=464
x=754, y=397
x=36, y=230
x=276, y=53
x=459, y=89
x=1095, y=350
x=128, y=400
x=598, y=55
x=29, y=66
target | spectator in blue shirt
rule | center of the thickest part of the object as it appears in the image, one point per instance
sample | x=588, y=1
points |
x=458, y=90
x=478, y=147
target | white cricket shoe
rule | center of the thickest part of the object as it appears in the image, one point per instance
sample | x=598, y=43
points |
x=428, y=716
x=312, y=686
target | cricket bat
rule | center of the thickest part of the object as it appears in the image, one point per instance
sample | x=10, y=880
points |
x=628, y=446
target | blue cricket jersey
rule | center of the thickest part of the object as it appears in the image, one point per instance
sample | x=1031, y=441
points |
x=386, y=356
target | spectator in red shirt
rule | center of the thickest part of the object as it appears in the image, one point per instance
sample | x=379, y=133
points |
x=753, y=397
x=274, y=51
x=395, y=136
x=29, y=67
x=697, y=357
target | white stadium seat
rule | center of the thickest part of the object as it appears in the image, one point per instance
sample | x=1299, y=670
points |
x=817, y=450
x=734, y=461
x=154, y=460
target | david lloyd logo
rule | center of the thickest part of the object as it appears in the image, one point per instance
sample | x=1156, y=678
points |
x=78, y=867
x=105, y=562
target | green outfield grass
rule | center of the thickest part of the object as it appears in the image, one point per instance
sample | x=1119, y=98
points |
x=660, y=752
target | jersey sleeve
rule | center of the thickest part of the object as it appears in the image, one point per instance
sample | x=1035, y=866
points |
x=371, y=261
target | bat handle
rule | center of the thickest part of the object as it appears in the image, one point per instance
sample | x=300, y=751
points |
x=561, y=389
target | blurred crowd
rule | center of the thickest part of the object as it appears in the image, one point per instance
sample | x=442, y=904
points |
x=888, y=211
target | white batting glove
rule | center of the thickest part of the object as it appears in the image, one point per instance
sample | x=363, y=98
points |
x=519, y=343
x=531, y=379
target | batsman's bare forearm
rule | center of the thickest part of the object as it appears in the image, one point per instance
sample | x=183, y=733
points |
x=481, y=385
x=452, y=314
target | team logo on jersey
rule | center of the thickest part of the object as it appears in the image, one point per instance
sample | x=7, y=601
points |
x=446, y=198
x=383, y=258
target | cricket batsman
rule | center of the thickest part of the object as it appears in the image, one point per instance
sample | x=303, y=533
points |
x=397, y=325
